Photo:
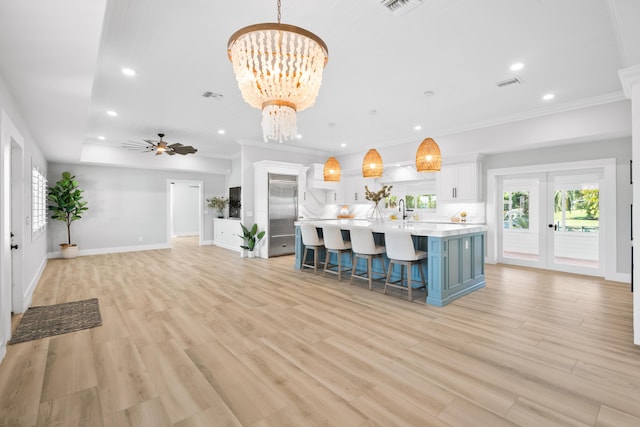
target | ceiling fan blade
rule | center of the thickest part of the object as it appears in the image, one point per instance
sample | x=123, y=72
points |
x=175, y=145
x=185, y=149
x=158, y=153
x=171, y=152
x=150, y=141
x=138, y=146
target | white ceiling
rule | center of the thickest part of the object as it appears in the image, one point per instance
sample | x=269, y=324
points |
x=62, y=62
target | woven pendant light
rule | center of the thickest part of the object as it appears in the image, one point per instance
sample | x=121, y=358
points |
x=428, y=157
x=332, y=170
x=372, y=164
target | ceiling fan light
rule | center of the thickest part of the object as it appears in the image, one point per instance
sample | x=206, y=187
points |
x=332, y=170
x=372, y=164
x=428, y=157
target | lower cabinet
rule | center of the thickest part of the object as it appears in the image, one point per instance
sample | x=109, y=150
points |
x=225, y=233
x=456, y=267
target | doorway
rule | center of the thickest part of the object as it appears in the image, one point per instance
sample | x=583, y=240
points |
x=185, y=209
x=552, y=221
x=558, y=216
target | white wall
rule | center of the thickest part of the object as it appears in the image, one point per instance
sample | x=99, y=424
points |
x=185, y=207
x=128, y=208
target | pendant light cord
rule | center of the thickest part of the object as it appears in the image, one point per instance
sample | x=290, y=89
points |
x=279, y=15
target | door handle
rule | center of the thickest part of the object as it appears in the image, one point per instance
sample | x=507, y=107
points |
x=554, y=226
x=14, y=247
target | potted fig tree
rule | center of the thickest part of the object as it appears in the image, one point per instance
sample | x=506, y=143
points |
x=67, y=206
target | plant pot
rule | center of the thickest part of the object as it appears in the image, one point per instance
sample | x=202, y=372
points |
x=252, y=254
x=243, y=253
x=69, y=251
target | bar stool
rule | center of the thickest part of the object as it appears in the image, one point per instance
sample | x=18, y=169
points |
x=310, y=240
x=400, y=250
x=334, y=243
x=363, y=246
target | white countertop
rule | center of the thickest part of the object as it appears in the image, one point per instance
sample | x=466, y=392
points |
x=417, y=228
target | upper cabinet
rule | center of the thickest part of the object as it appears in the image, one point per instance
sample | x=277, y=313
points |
x=459, y=182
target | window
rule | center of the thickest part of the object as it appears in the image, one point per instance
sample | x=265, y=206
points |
x=516, y=210
x=38, y=202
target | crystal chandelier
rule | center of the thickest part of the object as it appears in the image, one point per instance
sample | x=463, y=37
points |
x=279, y=70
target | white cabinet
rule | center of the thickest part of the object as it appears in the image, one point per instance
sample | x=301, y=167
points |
x=350, y=190
x=225, y=233
x=458, y=182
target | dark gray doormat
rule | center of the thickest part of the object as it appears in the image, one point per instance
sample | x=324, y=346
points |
x=49, y=320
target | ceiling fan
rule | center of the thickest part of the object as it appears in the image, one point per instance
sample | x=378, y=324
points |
x=160, y=147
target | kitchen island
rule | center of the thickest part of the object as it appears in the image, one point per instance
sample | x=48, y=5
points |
x=455, y=261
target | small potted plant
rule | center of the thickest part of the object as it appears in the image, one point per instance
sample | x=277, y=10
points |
x=67, y=206
x=250, y=238
x=218, y=203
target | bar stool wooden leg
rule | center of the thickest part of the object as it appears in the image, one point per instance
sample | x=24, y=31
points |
x=326, y=263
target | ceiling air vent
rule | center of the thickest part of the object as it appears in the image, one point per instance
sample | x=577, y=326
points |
x=213, y=95
x=400, y=7
x=509, y=82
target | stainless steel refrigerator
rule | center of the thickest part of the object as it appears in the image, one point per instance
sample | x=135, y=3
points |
x=283, y=211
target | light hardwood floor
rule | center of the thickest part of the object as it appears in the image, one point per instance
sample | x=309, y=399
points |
x=197, y=336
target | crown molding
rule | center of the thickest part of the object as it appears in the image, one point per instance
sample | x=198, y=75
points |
x=629, y=77
x=538, y=112
x=281, y=147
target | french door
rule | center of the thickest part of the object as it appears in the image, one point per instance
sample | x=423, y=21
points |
x=552, y=221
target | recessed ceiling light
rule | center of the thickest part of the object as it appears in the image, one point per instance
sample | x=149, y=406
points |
x=101, y=138
x=298, y=136
x=548, y=97
x=221, y=132
x=344, y=144
x=128, y=72
x=517, y=66
x=417, y=127
x=112, y=113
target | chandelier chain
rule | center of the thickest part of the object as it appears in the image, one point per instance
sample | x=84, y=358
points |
x=279, y=14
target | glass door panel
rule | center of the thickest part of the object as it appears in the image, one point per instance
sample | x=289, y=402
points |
x=574, y=238
x=520, y=221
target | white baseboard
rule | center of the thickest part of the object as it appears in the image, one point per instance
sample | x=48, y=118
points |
x=619, y=277
x=28, y=293
x=230, y=247
x=3, y=350
x=206, y=242
x=188, y=234
x=114, y=250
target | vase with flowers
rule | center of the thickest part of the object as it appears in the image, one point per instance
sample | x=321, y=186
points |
x=219, y=204
x=374, y=213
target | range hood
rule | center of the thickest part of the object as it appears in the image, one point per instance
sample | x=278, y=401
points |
x=405, y=173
